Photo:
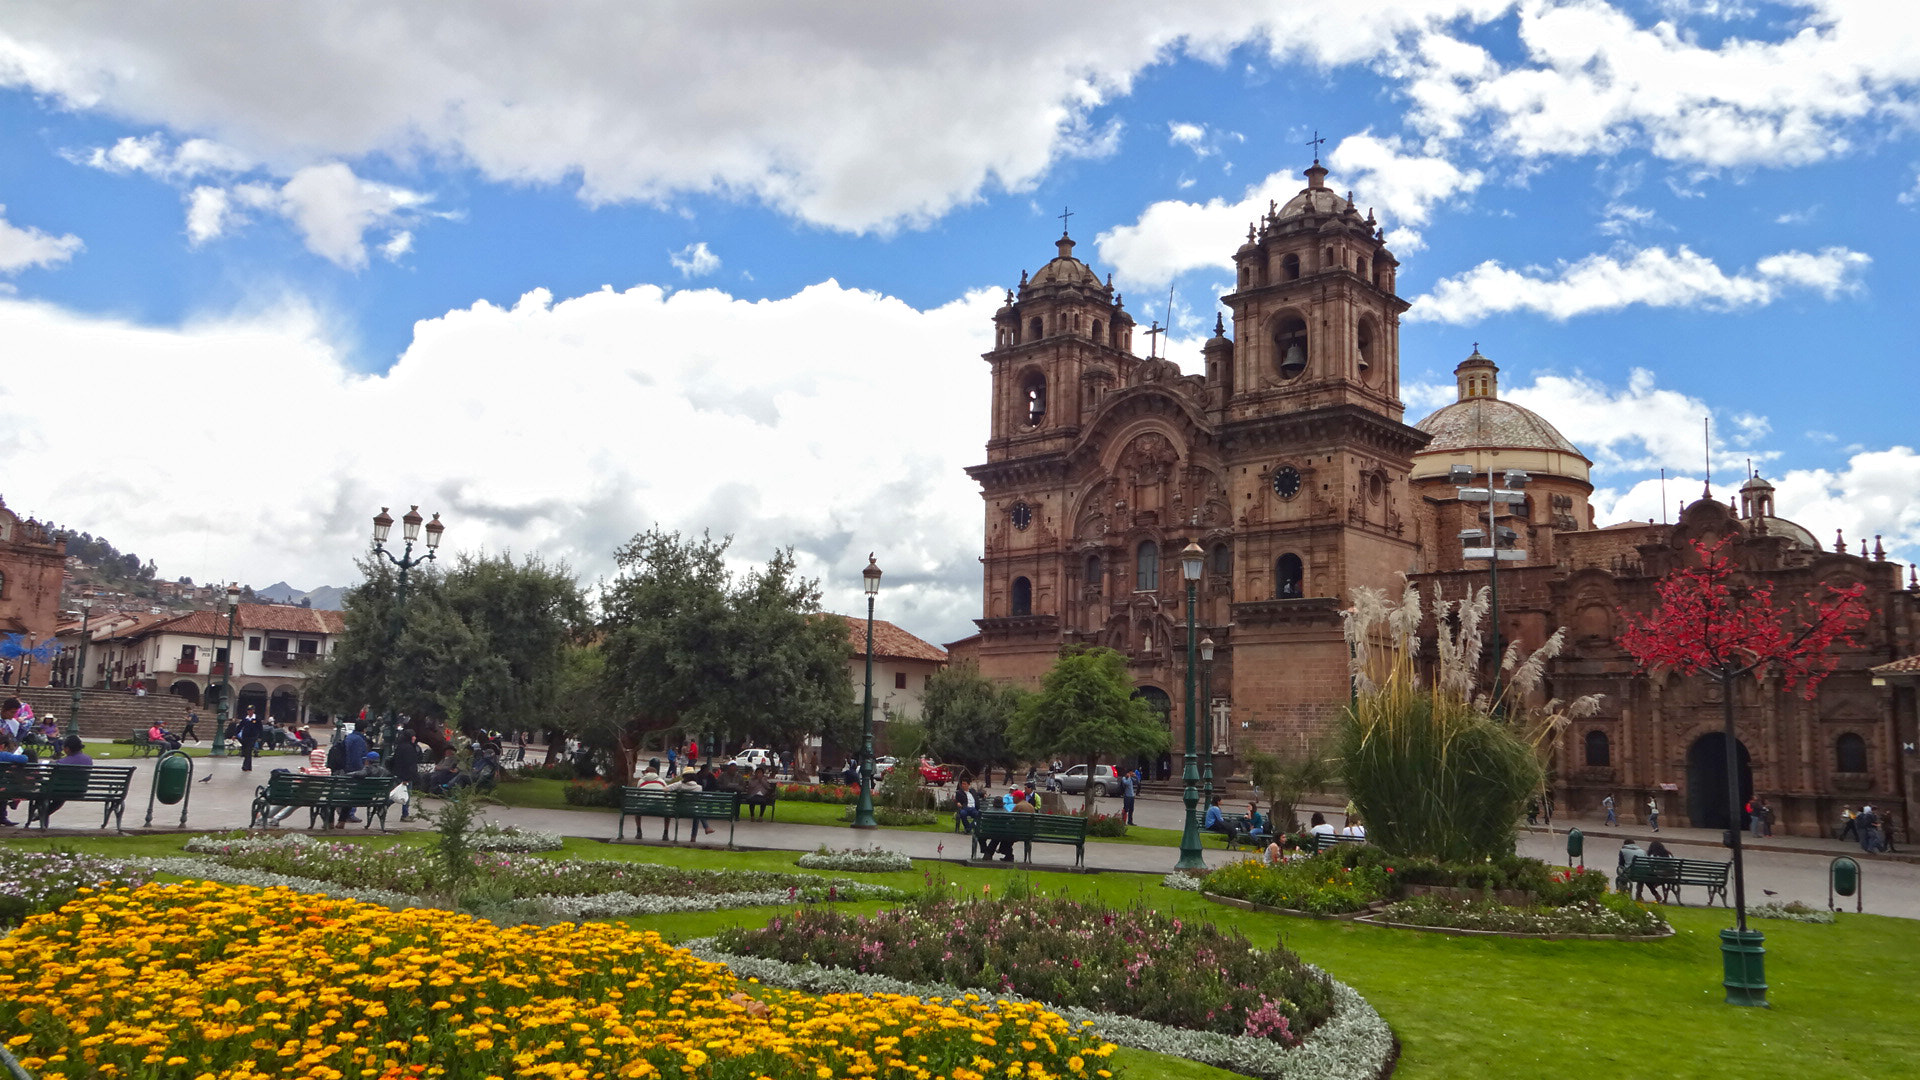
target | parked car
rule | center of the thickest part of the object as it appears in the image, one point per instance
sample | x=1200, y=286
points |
x=755, y=757
x=883, y=765
x=1074, y=780
x=938, y=775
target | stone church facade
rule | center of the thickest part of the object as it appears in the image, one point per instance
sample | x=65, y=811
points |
x=1289, y=462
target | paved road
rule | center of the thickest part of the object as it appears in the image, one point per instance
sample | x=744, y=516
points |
x=1790, y=868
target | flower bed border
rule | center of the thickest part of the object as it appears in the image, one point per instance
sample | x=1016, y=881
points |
x=1248, y=905
x=1354, y=1043
x=586, y=906
x=1518, y=935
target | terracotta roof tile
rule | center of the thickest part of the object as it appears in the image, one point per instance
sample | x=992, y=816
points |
x=890, y=641
x=293, y=620
x=1908, y=666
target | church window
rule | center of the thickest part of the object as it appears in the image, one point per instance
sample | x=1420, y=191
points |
x=1076, y=322
x=1222, y=559
x=1290, y=346
x=899, y=680
x=1599, y=750
x=1850, y=754
x=1290, y=268
x=1098, y=329
x=1093, y=577
x=1146, y=571
x=1289, y=577
x=3, y=585
x=1022, y=596
x=1329, y=263
x=1036, y=329
x=1363, y=342
x=1033, y=398
x=1362, y=267
x=1244, y=277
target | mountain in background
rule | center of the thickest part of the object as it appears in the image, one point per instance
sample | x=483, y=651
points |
x=326, y=597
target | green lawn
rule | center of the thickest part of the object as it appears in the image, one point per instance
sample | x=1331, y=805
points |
x=1475, y=1008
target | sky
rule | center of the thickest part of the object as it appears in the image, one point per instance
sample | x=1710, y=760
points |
x=563, y=272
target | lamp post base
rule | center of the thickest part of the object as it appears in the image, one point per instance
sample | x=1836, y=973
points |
x=1744, y=958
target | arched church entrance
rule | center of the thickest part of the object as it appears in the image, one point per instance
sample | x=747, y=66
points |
x=186, y=689
x=1707, y=780
x=1162, y=768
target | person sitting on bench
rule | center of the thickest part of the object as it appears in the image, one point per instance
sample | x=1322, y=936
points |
x=966, y=805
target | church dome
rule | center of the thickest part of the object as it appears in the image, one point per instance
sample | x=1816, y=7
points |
x=1314, y=199
x=1489, y=423
x=1480, y=422
x=1779, y=526
x=1064, y=269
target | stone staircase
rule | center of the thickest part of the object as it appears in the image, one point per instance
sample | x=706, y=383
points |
x=110, y=714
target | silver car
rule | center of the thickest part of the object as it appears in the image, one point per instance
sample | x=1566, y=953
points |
x=1074, y=780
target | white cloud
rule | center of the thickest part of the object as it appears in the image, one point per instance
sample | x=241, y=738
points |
x=1174, y=236
x=1623, y=218
x=1654, y=277
x=155, y=156
x=397, y=245
x=1877, y=493
x=1595, y=81
x=518, y=425
x=22, y=247
x=209, y=212
x=333, y=209
x=864, y=117
x=694, y=260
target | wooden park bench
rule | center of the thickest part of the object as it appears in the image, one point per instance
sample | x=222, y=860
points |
x=1029, y=828
x=1323, y=841
x=144, y=746
x=322, y=796
x=696, y=806
x=1665, y=877
x=44, y=785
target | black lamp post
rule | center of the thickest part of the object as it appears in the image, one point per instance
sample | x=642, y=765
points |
x=863, y=812
x=1206, y=703
x=409, y=533
x=1192, y=562
x=1499, y=541
x=80, y=667
x=225, y=709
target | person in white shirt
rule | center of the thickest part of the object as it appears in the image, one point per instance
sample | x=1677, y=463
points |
x=1355, y=829
x=1317, y=825
x=649, y=778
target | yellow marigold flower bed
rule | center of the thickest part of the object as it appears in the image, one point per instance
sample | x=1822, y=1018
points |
x=205, y=980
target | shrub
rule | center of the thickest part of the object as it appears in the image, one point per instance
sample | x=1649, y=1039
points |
x=1103, y=824
x=1135, y=962
x=1320, y=885
x=894, y=818
x=1792, y=911
x=856, y=860
x=559, y=770
x=591, y=793
x=34, y=881
x=822, y=793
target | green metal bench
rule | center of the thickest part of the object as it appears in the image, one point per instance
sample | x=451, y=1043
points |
x=42, y=785
x=144, y=746
x=1665, y=877
x=1028, y=829
x=321, y=796
x=671, y=806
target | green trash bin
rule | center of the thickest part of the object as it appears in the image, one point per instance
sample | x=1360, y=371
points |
x=1576, y=847
x=170, y=781
x=1746, y=966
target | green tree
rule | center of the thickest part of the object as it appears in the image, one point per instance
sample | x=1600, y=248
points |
x=1286, y=780
x=967, y=717
x=482, y=643
x=1085, y=710
x=692, y=648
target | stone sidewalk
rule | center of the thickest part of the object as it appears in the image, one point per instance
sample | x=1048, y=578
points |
x=1778, y=869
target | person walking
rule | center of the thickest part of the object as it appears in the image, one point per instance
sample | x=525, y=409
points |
x=1129, y=787
x=406, y=769
x=1849, y=824
x=186, y=729
x=1607, y=804
x=1754, y=818
x=1653, y=812
x=247, y=734
x=353, y=759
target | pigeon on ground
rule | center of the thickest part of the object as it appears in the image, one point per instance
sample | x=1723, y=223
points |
x=1769, y=892
x=206, y=778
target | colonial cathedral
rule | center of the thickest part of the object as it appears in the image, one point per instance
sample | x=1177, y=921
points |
x=1290, y=464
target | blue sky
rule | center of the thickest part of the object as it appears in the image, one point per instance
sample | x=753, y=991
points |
x=730, y=266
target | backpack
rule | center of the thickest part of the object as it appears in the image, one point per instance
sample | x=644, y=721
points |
x=336, y=756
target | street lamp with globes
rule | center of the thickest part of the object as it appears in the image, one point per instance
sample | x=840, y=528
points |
x=223, y=712
x=410, y=533
x=1192, y=562
x=863, y=811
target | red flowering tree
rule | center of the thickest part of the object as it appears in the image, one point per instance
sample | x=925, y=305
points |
x=1709, y=624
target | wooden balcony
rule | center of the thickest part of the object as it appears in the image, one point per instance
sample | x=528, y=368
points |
x=287, y=659
x=186, y=667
